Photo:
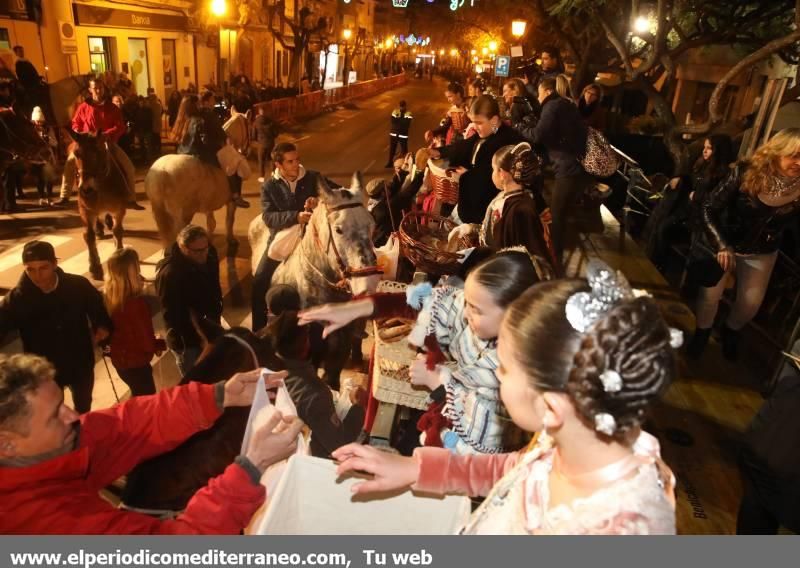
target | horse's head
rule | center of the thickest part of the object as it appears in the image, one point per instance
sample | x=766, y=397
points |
x=345, y=231
x=20, y=141
x=91, y=158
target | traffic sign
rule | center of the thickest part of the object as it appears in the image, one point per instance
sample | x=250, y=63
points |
x=502, y=65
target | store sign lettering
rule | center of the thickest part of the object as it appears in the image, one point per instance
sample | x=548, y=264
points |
x=140, y=20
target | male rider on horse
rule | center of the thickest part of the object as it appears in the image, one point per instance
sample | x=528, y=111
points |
x=287, y=198
x=98, y=114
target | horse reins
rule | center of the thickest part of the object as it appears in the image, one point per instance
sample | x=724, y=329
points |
x=345, y=272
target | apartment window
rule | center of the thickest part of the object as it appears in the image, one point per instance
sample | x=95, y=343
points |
x=5, y=43
x=99, y=54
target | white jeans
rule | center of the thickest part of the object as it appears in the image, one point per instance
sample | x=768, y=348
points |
x=753, y=272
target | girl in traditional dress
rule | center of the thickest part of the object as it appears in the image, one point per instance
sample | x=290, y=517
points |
x=581, y=367
x=511, y=218
x=459, y=330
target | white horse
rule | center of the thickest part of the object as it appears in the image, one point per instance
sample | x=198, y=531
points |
x=179, y=186
x=334, y=261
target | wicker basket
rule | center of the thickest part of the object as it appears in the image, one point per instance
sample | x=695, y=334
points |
x=444, y=184
x=423, y=237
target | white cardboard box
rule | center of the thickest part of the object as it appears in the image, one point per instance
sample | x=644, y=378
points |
x=310, y=499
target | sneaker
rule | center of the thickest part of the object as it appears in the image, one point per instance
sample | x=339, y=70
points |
x=45, y=202
x=261, y=180
x=135, y=206
x=240, y=202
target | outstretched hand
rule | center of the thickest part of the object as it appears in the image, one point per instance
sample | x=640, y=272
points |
x=389, y=471
x=241, y=387
x=336, y=316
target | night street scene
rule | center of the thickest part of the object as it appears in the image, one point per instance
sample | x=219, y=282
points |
x=399, y=267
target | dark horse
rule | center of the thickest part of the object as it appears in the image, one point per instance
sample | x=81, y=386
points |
x=19, y=143
x=167, y=482
x=102, y=188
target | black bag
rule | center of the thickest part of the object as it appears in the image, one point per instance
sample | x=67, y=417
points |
x=702, y=268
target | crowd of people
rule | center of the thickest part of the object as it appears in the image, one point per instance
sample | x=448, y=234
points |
x=539, y=385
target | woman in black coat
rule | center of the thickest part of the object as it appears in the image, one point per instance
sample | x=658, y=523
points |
x=474, y=158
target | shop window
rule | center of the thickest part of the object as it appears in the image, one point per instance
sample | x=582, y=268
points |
x=99, y=54
x=5, y=43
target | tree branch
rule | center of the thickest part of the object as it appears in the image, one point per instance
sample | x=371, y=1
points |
x=618, y=44
x=658, y=42
x=713, y=104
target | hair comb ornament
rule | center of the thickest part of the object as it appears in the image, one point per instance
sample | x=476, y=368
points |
x=605, y=423
x=612, y=380
x=607, y=289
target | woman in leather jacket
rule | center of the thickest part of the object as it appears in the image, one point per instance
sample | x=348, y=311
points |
x=743, y=221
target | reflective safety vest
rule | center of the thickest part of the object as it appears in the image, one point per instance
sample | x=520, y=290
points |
x=401, y=123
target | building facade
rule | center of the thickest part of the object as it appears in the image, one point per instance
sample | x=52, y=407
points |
x=170, y=44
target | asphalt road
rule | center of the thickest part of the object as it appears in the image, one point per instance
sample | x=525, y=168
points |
x=352, y=138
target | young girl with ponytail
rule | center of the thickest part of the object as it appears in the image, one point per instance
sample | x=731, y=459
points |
x=580, y=366
x=511, y=218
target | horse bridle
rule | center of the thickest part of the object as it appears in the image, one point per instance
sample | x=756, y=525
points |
x=345, y=272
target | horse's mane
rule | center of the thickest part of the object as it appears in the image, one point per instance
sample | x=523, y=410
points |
x=207, y=370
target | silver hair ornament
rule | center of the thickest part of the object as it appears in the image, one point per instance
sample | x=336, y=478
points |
x=605, y=423
x=608, y=288
x=675, y=338
x=612, y=381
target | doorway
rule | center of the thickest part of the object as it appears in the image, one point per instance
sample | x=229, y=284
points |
x=140, y=74
x=169, y=67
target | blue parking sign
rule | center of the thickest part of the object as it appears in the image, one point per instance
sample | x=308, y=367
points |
x=502, y=64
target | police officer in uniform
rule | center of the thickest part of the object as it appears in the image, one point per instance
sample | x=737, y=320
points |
x=401, y=123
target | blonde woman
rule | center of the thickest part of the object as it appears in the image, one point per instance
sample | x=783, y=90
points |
x=743, y=221
x=562, y=87
x=133, y=342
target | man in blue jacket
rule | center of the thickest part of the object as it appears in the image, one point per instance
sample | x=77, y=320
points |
x=287, y=198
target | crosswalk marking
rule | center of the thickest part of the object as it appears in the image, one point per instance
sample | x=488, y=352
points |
x=13, y=256
x=147, y=266
x=79, y=264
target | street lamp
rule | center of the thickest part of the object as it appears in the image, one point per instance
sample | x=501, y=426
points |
x=485, y=51
x=453, y=52
x=473, y=52
x=219, y=7
x=347, y=33
x=389, y=43
x=492, y=46
x=518, y=28
x=641, y=25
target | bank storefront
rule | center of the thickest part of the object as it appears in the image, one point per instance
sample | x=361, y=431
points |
x=153, y=47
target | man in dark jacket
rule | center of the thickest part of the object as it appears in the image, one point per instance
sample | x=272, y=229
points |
x=59, y=316
x=401, y=124
x=563, y=133
x=287, y=199
x=187, y=280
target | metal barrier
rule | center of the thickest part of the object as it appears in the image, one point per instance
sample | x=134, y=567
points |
x=310, y=104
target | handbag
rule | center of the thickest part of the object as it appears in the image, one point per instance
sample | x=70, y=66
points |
x=702, y=268
x=285, y=242
x=600, y=159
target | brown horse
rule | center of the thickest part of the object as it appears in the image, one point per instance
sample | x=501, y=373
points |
x=168, y=481
x=102, y=188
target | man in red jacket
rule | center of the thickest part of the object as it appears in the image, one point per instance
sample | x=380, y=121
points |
x=53, y=462
x=99, y=115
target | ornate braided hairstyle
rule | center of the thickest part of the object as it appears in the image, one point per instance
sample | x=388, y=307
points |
x=520, y=161
x=611, y=368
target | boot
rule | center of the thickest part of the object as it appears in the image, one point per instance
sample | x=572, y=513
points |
x=239, y=202
x=730, y=343
x=63, y=201
x=698, y=343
